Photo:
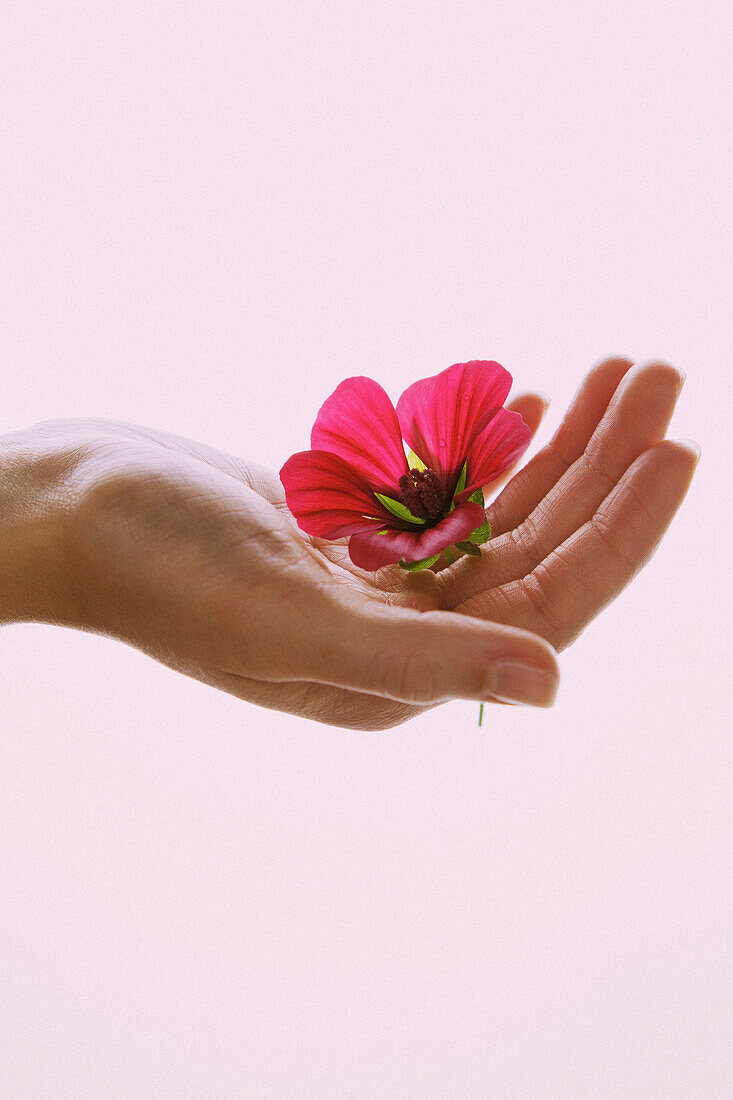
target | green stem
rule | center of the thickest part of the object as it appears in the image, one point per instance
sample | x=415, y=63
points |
x=480, y=713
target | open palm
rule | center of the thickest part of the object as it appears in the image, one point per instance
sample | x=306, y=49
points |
x=192, y=555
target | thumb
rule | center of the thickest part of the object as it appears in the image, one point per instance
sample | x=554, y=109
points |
x=429, y=656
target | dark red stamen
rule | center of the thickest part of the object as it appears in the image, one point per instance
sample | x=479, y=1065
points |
x=421, y=491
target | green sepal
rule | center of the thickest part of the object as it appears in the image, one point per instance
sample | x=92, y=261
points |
x=460, y=486
x=415, y=462
x=482, y=534
x=469, y=548
x=397, y=508
x=416, y=566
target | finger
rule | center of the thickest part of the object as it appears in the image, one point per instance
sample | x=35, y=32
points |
x=425, y=657
x=331, y=706
x=524, y=492
x=567, y=590
x=637, y=416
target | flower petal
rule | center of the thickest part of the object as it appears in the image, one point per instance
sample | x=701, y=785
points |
x=327, y=497
x=440, y=416
x=373, y=549
x=502, y=441
x=358, y=422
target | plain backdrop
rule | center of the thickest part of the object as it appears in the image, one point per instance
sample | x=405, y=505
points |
x=210, y=214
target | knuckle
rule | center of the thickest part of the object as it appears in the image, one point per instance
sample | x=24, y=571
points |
x=525, y=542
x=537, y=587
x=557, y=448
x=593, y=462
x=605, y=532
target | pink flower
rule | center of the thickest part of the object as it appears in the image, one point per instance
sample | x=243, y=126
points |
x=357, y=482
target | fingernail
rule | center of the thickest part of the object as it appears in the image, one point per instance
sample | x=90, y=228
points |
x=683, y=376
x=544, y=397
x=519, y=683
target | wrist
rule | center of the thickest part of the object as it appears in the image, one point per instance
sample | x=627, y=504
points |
x=35, y=506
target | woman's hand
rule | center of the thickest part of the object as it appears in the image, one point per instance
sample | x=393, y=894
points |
x=192, y=556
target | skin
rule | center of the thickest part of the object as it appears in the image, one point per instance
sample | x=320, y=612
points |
x=192, y=556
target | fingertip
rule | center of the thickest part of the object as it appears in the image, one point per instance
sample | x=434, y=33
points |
x=692, y=446
x=531, y=403
x=606, y=375
x=615, y=360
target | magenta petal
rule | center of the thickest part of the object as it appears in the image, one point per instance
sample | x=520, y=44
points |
x=439, y=416
x=371, y=549
x=358, y=422
x=502, y=441
x=327, y=497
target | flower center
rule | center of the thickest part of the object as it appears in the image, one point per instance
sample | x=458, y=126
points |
x=421, y=491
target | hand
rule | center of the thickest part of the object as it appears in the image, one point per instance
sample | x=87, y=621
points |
x=577, y=522
x=192, y=556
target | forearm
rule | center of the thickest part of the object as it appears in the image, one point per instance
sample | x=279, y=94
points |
x=35, y=505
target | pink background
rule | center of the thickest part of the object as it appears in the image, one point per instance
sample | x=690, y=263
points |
x=211, y=213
